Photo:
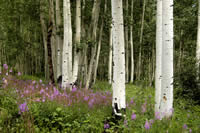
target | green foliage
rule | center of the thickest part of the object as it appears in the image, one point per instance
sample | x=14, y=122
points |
x=30, y=77
x=186, y=84
x=50, y=116
x=101, y=86
x=10, y=119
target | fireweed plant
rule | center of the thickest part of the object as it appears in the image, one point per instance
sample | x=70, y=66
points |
x=37, y=106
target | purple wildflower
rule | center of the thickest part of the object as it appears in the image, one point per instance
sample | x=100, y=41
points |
x=151, y=121
x=40, y=81
x=86, y=98
x=132, y=101
x=41, y=91
x=125, y=122
x=10, y=71
x=6, y=74
x=106, y=126
x=184, y=126
x=23, y=108
x=56, y=92
x=91, y=103
x=147, y=125
x=43, y=100
x=144, y=107
x=157, y=115
x=5, y=66
x=37, y=100
x=74, y=89
x=190, y=131
x=19, y=74
x=0, y=72
x=133, y=116
x=33, y=82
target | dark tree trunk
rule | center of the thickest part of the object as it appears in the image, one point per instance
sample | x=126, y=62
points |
x=49, y=34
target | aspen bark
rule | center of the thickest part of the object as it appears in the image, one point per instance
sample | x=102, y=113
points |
x=58, y=40
x=67, y=46
x=77, y=40
x=118, y=85
x=158, y=55
x=166, y=104
x=110, y=58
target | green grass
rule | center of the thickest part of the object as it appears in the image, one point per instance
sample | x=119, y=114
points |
x=51, y=116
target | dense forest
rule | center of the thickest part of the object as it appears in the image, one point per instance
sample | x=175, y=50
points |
x=99, y=66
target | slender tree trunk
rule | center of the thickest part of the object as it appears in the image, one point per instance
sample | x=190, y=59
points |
x=84, y=51
x=198, y=42
x=127, y=46
x=67, y=46
x=50, y=62
x=0, y=57
x=58, y=39
x=131, y=44
x=118, y=86
x=110, y=58
x=95, y=18
x=158, y=55
x=166, y=104
x=97, y=56
x=99, y=45
x=53, y=39
x=141, y=38
x=180, y=52
x=77, y=40
x=150, y=70
x=153, y=65
x=44, y=37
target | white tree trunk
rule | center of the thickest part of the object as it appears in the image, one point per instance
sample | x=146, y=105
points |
x=67, y=45
x=58, y=39
x=166, y=105
x=158, y=55
x=110, y=58
x=118, y=85
x=77, y=40
x=131, y=44
x=198, y=42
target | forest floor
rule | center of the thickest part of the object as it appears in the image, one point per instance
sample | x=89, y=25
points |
x=27, y=104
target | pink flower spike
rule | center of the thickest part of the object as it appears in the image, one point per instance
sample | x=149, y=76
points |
x=147, y=125
x=133, y=116
x=5, y=66
x=19, y=74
